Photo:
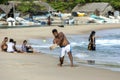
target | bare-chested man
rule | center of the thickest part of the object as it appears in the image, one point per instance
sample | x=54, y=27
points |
x=61, y=40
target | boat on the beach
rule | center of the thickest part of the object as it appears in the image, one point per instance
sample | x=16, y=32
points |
x=101, y=19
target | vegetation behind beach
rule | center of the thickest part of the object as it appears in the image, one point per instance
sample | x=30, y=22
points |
x=68, y=5
x=62, y=5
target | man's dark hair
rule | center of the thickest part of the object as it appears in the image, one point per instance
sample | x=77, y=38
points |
x=54, y=30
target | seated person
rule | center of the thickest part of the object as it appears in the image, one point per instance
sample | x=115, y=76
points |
x=4, y=44
x=10, y=47
x=15, y=49
x=26, y=48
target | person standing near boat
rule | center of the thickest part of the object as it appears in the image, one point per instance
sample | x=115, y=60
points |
x=61, y=40
x=92, y=45
x=49, y=21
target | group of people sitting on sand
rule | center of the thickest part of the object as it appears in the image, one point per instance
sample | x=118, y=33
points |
x=10, y=46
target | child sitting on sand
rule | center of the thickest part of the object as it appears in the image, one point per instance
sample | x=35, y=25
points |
x=26, y=48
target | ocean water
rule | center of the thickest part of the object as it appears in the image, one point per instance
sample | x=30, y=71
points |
x=107, y=54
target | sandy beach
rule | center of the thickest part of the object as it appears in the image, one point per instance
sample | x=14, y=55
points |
x=39, y=66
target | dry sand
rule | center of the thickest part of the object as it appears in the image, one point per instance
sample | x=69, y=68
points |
x=17, y=66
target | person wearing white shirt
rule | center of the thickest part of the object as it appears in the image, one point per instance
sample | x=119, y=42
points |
x=10, y=46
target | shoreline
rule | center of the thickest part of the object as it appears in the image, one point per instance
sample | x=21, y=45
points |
x=43, y=66
x=32, y=67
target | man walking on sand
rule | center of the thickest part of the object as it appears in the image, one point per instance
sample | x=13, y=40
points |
x=61, y=41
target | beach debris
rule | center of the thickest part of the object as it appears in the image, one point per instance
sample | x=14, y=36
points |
x=92, y=62
x=60, y=25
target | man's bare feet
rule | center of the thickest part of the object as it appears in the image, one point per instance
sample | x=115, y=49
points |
x=72, y=65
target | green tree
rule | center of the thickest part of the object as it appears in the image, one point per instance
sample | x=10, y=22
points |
x=29, y=6
x=80, y=1
x=116, y=4
x=3, y=1
x=59, y=4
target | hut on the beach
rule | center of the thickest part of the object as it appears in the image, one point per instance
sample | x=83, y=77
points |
x=7, y=9
x=94, y=8
x=48, y=7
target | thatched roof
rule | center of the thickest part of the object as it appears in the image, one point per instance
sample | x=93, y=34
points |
x=91, y=7
x=48, y=7
x=6, y=8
